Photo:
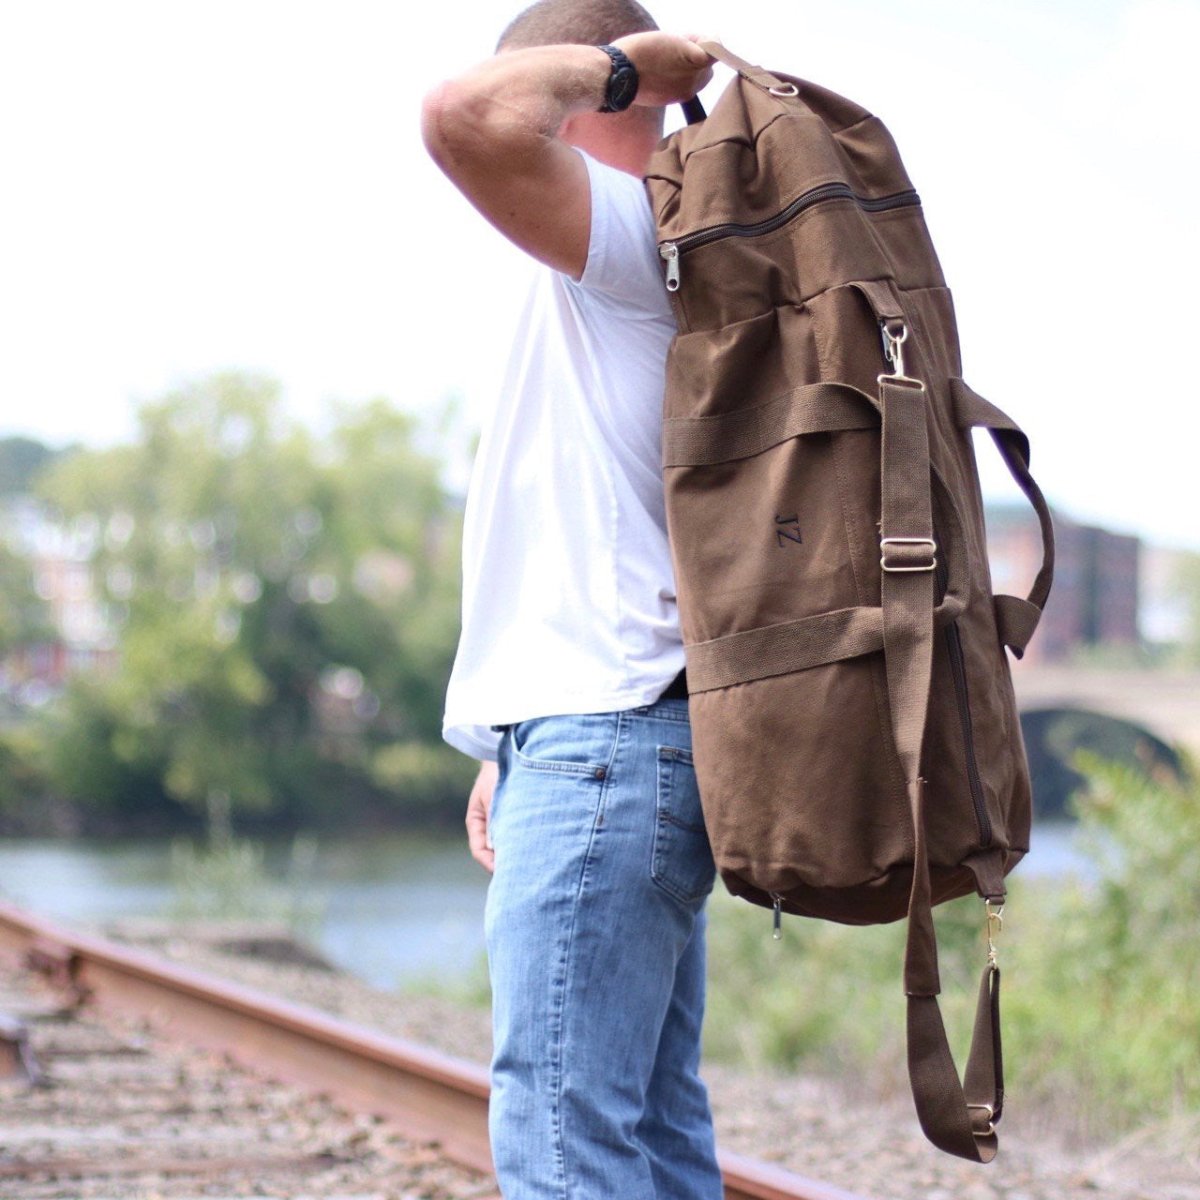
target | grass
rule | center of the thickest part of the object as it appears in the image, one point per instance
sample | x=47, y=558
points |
x=1101, y=1003
x=226, y=878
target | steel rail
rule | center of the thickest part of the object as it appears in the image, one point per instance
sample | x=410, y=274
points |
x=429, y=1095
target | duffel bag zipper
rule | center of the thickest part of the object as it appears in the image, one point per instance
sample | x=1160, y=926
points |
x=670, y=251
x=958, y=670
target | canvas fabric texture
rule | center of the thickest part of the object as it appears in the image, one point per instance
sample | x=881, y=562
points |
x=856, y=735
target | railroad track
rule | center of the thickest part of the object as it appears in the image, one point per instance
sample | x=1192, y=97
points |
x=428, y=1096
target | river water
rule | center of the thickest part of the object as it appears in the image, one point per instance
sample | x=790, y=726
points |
x=396, y=909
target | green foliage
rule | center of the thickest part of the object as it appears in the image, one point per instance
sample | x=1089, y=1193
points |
x=470, y=990
x=20, y=782
x=826, y=997
x=1185, y=586
x=1115, y=1006
x=285, y=607
x=429, y=776
x=227, y=879
x=1101, y=978
x=87, y=751
x=23, y=614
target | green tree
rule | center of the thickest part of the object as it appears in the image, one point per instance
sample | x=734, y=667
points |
x=24, y=617
x=286, y=607
x=1186, y=586
x=23, y=614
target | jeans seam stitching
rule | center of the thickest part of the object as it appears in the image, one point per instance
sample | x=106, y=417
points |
x=537, y=764
x=664, y=782
x=607, y=778
x=556, y=1060
x=568, y=960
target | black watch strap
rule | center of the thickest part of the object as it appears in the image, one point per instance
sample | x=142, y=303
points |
x=622, y=82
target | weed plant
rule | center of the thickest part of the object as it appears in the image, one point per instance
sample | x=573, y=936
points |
x=226, y=878
x=1101, y=978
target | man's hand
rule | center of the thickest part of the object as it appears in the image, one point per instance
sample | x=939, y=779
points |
x=671, y=69
x=479, y=808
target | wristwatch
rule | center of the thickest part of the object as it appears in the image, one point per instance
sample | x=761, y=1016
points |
x=622, y=82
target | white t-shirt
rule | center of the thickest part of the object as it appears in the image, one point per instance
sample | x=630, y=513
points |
x=568, y=591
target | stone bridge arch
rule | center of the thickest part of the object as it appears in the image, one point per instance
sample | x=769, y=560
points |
x=1150, y=718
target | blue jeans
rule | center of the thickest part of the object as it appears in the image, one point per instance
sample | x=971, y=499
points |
x=595, y=933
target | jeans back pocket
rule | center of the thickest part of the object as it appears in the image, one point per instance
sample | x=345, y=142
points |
x=683, y=863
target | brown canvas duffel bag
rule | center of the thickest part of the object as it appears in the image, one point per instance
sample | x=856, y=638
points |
x=856, y=736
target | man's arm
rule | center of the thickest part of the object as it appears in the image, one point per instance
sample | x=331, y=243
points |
x=495, y=132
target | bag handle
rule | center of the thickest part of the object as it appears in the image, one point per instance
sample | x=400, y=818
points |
x=1017, y=618
x=764, y=79
x=693, y=109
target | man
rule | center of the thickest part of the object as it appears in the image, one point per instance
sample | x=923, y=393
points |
x=568, y=680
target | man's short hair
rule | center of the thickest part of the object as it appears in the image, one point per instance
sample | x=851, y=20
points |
x=575, y=22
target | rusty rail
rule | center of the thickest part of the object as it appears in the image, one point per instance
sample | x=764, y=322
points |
x=429, y=1095
x=16, y=1056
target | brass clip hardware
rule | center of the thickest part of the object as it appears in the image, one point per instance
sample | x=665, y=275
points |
x=995, y=926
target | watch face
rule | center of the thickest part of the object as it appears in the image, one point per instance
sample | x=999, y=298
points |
x=622, y=87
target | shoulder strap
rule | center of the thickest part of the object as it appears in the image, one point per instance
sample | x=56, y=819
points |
x=955, y=1121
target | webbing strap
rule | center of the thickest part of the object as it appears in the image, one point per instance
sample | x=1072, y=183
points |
x=812, y=408
x=781, y=649
x=983, y=1083
x=1016, y=620
x=907, y=595
x=830, y=636
x=881, y=295
x=797, y=645
x=946, y=1113
x=971, y=409
x=957, y=1117
x=960, y=1119
x=757, y=75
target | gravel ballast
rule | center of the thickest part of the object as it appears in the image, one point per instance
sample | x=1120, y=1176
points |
x=816, y=1127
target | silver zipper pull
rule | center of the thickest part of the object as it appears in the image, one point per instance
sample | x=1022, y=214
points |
x=670, y=253
x=777, y=933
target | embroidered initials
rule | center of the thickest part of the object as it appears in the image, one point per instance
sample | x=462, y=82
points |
x=788, y=529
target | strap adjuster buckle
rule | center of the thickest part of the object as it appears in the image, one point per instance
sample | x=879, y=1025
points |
x=989, y=1116
x=906, y=562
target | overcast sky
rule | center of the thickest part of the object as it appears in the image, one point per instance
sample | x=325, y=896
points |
x=190, y=186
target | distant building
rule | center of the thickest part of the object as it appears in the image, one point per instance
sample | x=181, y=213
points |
x=60, y=559
x=1094, y=601
x=1165, y=610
